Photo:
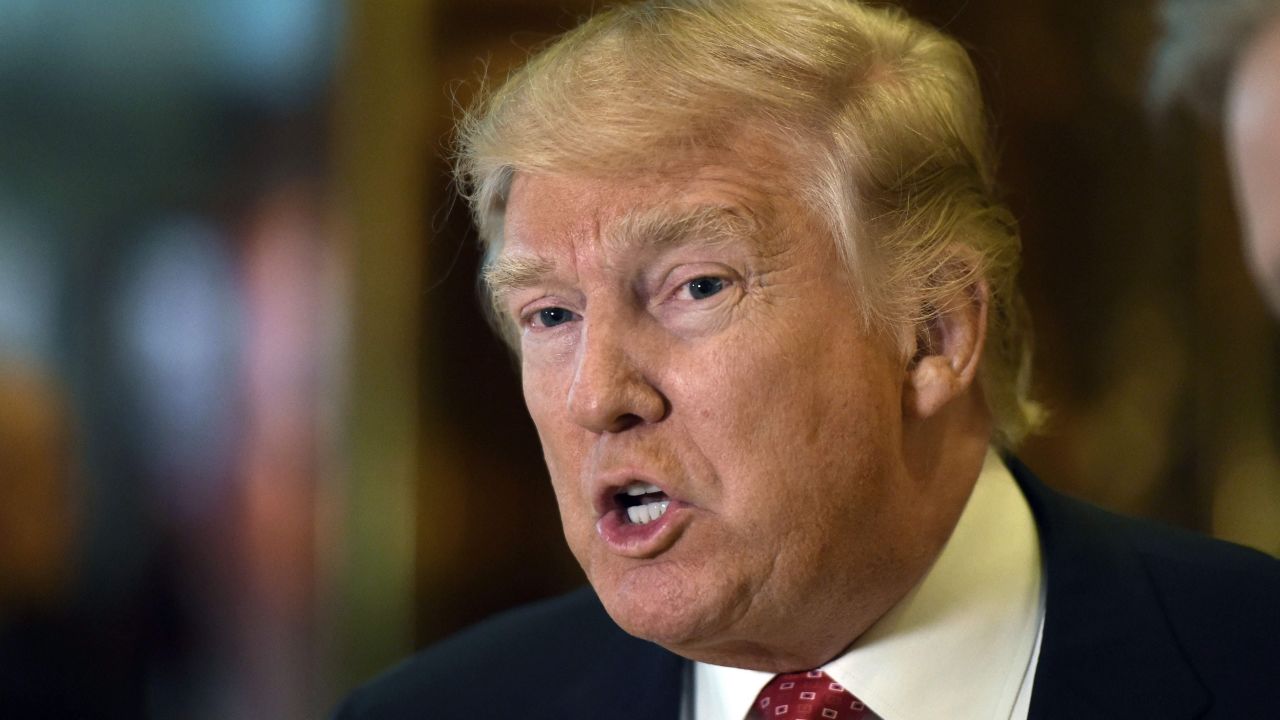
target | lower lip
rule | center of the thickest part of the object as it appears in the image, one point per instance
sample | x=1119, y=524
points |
x=642, y=541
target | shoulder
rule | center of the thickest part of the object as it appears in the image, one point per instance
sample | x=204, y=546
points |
x=1214, y=593
x=533, y=660
x=1187, y=567
x=1165, y=615
x=1073, y=531
x=1222, y=602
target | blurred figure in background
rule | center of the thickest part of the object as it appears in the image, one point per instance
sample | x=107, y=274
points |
x=1221, y=60
x=165, y=305
x=1222, y=57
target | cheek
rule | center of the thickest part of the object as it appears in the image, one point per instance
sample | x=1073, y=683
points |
x=788, y=432
x=1254, y=149
x=793, y=388
x=545, y=377
x=1260, y=200
x=544, y=396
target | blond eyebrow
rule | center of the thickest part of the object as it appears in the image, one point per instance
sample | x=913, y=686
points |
x=657, y=229
x=664, y=227
x=506, y=274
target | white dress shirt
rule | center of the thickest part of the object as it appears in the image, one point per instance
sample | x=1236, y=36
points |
x=962, y=644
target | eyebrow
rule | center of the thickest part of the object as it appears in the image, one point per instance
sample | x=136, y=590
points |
x=507, y=273
x=663, y=228
x=656, y=229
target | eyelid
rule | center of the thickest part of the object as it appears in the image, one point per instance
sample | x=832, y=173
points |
x=528, y=315
x=697, y=272
x=523, y=302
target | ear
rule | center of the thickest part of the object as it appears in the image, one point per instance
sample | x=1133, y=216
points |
x=947, y=350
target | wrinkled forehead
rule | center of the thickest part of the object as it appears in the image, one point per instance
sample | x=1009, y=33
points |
x=654, y=205
x=750, y=164
x=639, y=216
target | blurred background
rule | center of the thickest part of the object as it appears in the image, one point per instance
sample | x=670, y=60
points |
x=256, y=441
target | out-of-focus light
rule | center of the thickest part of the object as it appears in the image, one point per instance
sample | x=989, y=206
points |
x=275, y=52
x=27, y=289
x=180, y=326
x=270, y=48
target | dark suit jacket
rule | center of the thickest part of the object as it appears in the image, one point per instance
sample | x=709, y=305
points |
x=1141, y=621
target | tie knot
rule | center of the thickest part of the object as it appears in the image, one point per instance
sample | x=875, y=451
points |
x=809, y=695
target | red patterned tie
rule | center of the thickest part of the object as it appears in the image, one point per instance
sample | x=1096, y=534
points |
x=809, y=695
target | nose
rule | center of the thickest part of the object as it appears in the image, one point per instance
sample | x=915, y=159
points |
x=610, y=391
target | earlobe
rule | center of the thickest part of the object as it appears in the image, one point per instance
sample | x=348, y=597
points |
x=947, y=351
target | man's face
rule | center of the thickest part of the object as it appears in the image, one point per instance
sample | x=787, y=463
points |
x=1253, y=144
x=693, y=338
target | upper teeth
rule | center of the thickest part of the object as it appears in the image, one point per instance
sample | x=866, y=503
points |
x=641, y=514
x=636, y=488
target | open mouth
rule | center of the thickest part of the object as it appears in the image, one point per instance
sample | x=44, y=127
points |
x=642, y=503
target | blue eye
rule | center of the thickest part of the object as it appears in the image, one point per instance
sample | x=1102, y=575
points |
x=704, y=287
x=553, y=316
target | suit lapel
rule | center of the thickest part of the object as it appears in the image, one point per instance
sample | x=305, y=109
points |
x=1107, y=650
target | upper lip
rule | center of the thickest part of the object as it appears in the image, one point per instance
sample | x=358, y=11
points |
x=607, y=485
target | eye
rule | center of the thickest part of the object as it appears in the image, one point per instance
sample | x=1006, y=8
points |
x=704, y=287
x=551, y=317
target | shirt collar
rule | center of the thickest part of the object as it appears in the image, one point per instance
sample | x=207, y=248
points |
x=961, y=639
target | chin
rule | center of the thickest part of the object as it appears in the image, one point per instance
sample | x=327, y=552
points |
x=660, y=604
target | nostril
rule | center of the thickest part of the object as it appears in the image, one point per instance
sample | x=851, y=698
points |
x=625, y=422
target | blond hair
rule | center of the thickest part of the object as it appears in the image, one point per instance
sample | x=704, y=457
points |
x=884, y=111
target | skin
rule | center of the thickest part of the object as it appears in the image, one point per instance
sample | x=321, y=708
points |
x=818, y=468
x=1253, y=148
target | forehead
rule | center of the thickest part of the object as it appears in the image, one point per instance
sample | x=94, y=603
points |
x=618, y=214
